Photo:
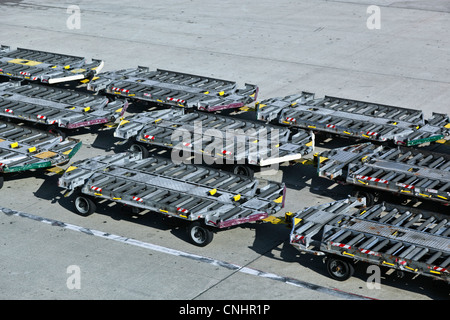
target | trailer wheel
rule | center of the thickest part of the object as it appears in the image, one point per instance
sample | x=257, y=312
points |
x=370, y=198
x=243, y=170
x=57, y=132
x=84, y=205
x=139, y=148
x=339, y=269
x=199, y=234
x=1, y=180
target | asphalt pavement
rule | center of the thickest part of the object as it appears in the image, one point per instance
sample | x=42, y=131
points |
x=399, y=57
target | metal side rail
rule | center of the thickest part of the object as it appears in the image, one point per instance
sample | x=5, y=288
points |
x=229, y=139
x=23, y=148
x=58, y=107
x=386, y=235
x=355, y=119
x=401, y=170
x=175, y=89
x=215, y=198
x=46, y=67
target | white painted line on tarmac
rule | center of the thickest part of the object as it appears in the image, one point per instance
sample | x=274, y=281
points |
x=212, y=261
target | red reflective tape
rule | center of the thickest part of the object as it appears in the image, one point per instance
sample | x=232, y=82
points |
x=138, y=199
x=41, y=117
x=440, y=269
x=341, y=245
x=366, y=251
x=96, y=189
x=332, y=126
x=290, y=119
x=176, y=100
x=120, y=89
x=9, y=111
x=149, y=137
x=372, y=179
x=407, y=186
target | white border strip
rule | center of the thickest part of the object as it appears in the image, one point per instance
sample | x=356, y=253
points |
x=215, y=262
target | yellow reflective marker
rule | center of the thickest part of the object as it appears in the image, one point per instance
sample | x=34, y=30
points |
x=212, y=192
x=78, y=70
x=348, y=254
x=71, y=168
x=87, y=109
x=32, y=149
x=237, y=197
x=278, y=200
x=14, y=145
x=25, y=62
x=273, y=220
x=221, y=93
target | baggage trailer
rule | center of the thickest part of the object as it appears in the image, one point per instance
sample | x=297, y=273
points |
x=57, y=108
x=24, y=149
x=355, y=119
x=45, y=67
x=172, y=88
x=347, y=231
x=217, y=139
x=206, y=198
x=402, y=171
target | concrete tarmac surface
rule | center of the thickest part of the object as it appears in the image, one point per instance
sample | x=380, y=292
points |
x=47, y=251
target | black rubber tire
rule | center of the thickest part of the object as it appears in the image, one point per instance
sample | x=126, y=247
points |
x=243, y=170
x=339, y=269
x=370, y=198
x=199, y=234
x=57, y=132
x=85, y=206
x=2, y=179
x=139, y=148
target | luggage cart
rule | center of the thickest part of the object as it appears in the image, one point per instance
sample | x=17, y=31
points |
x=174, y=89
x=57, y=108
x=218, y=139
x=346, y=231
x=355, y=119
x=24, y=149
x=206, y=198
x=45, y=67
x=402, y=171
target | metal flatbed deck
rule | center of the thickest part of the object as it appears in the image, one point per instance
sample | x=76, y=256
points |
x=45, y=67
x=175, y=89
x=384, y=234
x=200, y=195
